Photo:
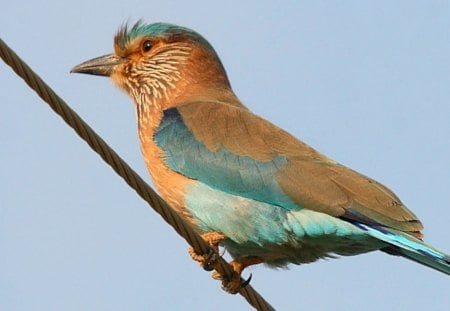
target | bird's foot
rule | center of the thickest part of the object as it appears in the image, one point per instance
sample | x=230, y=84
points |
x=234, y=284
x=208, y=260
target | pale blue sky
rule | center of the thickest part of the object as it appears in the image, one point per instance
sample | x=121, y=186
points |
x=366, y=84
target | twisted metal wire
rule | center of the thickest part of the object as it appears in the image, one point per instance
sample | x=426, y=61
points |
x=123, y=169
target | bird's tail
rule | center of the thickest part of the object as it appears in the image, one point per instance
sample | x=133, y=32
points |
x=407, y=246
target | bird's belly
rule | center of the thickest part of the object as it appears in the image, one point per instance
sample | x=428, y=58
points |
x=278, y=235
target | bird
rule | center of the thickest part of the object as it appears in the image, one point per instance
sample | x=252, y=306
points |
x=242, y=182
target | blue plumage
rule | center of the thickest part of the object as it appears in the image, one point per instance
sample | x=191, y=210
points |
x=221, y=169
x=409, y=247
x=274, y=233
x=157, y=30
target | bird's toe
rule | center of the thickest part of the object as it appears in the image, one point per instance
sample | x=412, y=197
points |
x=206, y=260
x=233, y=285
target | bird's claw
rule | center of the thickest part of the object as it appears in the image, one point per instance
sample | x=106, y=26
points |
x=210, y=258
x=207, y=260
x=234, y=284
x=247, y=281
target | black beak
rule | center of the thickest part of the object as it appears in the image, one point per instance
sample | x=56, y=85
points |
x=99, y=66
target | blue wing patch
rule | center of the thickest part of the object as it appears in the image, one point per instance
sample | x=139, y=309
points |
x=221, y=169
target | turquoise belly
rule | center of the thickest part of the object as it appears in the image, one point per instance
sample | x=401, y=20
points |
x=261, y=229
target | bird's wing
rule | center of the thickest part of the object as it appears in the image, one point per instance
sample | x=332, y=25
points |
x=232, y=150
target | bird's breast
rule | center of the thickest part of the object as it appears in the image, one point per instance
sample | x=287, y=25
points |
x=170, y=184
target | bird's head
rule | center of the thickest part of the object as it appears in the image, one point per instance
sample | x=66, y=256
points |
x=160, y=63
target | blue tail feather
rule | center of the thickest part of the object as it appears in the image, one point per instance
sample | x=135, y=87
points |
x=405, y=245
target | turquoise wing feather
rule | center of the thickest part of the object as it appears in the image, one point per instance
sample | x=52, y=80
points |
x=221, y=168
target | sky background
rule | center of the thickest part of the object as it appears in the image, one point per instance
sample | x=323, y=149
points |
x=366, y=84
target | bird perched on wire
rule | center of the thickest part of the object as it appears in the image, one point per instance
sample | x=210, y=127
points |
x=241, y=181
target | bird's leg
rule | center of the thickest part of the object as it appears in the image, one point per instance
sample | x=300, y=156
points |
x=234, y=284
x=207, y=260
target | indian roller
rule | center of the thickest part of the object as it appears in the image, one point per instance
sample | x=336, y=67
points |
x=242, y=182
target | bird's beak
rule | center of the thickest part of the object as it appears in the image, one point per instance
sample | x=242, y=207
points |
x=100, y=66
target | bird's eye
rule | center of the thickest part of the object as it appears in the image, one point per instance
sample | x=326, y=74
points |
x=147, y=46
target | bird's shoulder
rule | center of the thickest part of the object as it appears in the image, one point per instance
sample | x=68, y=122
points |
x=237, y=129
